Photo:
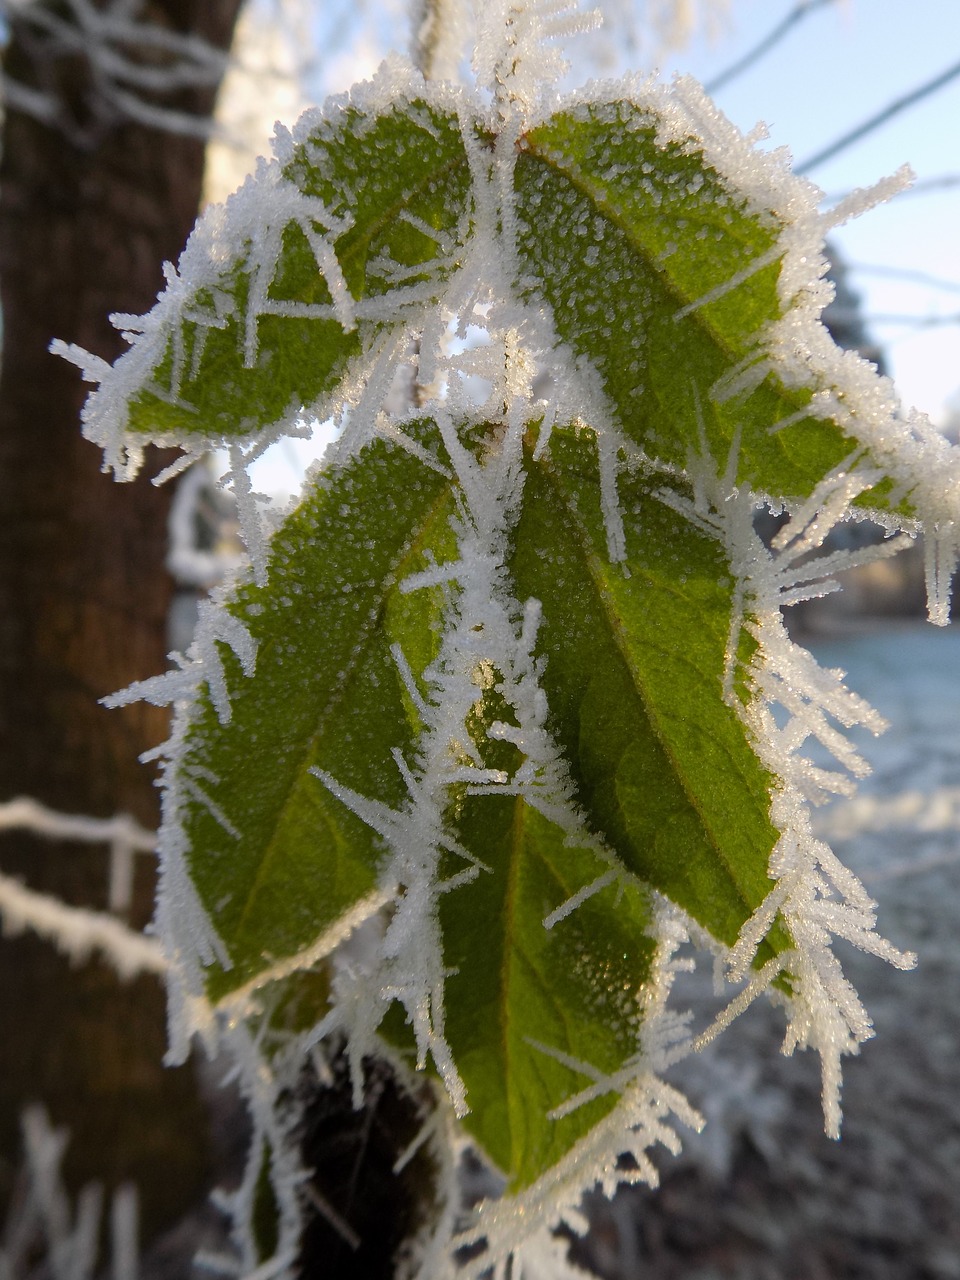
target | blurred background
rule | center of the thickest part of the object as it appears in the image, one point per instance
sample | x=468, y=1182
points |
x=101, y=175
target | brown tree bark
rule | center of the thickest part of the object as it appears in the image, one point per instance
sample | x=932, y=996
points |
x=90, y=206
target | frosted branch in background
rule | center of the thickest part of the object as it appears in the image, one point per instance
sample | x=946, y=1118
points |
x=76, y=931
x=123, y=835
x=43, y=1238
x=132, y=64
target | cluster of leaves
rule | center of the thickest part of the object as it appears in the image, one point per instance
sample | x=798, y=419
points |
x=487, y=729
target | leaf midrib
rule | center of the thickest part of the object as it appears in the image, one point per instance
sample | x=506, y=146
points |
x=506, y=963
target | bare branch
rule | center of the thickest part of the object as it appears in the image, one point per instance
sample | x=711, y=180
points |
x=905, y=273
x=892, y=109
x=905, y=319
x=795, y=16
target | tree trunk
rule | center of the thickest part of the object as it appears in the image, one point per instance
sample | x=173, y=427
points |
x=89, y=209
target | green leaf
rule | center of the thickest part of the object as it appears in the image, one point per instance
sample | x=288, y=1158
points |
x=635, y=654
x=398, y=182
x=325, y=693
x=519, y=988
x=663, y=770
x=620, y=233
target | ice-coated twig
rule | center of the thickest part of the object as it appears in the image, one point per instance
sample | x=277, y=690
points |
x=42, y=1236
x=124, y=1232
x=77, y=931
x=26, y=814
x=514, y=53
x=102, y=36
x=122, y=834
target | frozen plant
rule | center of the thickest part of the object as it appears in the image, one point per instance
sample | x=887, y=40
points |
x=503, y=713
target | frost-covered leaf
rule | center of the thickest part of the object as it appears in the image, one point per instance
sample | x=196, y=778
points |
x=664, y=276
x=531, y=1010
x=526, y=1003
x=354, y=228
x=276, y=858
x=635, y=660
x=511, y=687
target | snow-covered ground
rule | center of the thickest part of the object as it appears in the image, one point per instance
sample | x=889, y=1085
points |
x=762, y=1194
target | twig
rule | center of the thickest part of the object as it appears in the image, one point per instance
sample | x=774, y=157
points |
x=796, y=15
x=904, y=273
x=892, y=109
